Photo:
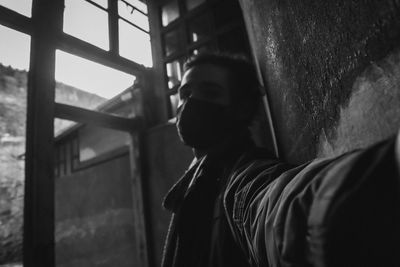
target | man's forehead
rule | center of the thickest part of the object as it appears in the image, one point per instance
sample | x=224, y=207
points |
x=207, y=73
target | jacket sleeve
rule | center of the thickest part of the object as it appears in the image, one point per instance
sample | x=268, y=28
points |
x=329, y=212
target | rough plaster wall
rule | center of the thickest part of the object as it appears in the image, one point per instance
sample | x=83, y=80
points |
x=331, y=69
x=373, y=111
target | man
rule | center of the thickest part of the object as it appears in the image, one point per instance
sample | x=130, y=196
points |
x=219, y=97
x=239, y=206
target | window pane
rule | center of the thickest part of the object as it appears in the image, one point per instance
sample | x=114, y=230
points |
x=96, y=141
x=15, y=52
x=174, y=73
x=93, y=199
x=87, y=22
x=84, y=142
x=138, y=4
x=23, y=7
x=61, y=125
x=191, y=4
x=174, y=99
x=134, y=44
x=103, y=3
x=200, y=27
x=14, y=62
x=173, y=41
x=132, y=15
x=90, y=85
x=169, y=12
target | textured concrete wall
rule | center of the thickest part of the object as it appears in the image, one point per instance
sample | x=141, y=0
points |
x=332, y=70
x=94, y=217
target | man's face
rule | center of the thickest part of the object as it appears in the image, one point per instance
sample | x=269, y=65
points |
x=206, y=82
x=205, y=113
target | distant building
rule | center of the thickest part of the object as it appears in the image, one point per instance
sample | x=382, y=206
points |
x=81, y=145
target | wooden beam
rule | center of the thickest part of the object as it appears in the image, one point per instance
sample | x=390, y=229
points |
x=141, y=231
x=97, y=118
x=158, y=76
x=14, y=20
x=113, y=28
x=83, y=49
x=135, y=8
x=38, y=245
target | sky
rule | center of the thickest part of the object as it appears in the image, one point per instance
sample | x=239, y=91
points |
x=84, y=21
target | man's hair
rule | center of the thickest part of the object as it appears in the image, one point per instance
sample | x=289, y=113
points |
x=242, y=72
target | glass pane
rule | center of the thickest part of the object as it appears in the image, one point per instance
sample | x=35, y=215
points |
x=191, y=4
x=169, y=12
x=134, y=44
x=173, y=41
x=132, y=15
x=174, y=73
x=60, y=126
x=96, y=141
x=86, y=84
x=86, y=22
x=103, y=3
x=15, y=52
x=23, y=7
x=200, y=27
x=65, y=146
x=14, y=62
x=94, y=223
x=174, y=104
x=138, y=4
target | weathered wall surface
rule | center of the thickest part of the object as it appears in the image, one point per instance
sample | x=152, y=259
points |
x=167, y=160
x=332, y=70
x=94, y=217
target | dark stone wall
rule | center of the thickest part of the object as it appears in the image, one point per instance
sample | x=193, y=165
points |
x=331, y=70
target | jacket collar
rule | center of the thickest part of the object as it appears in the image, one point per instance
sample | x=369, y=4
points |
x=177, y=192
x=208, y=163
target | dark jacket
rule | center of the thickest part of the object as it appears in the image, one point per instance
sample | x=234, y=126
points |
x=329, y=212
x=199, y=234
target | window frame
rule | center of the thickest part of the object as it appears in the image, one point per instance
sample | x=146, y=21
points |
x=46, y=30
x=186, y=16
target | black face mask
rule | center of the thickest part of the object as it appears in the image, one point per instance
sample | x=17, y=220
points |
x=202, y=124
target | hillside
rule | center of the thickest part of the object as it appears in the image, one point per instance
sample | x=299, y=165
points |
x=13, y=84
x=13, y=93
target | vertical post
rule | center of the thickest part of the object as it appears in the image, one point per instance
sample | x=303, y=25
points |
x=113, y=28
x=158, y=71
x=138, y=202
x=38, y=244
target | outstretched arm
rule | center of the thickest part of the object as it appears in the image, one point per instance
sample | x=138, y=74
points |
x=330, y=212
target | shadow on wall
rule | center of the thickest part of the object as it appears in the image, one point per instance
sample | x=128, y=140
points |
x=331, y=68
x=373, y=110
